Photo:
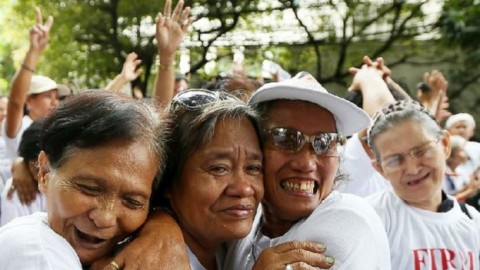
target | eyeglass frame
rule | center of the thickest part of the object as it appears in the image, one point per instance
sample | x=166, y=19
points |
x=338, y=139
x=414, y=152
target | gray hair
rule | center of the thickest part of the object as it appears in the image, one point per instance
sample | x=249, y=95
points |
x=192, y=128
x=399, y=112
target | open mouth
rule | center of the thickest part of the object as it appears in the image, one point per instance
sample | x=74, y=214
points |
x=416, y=182
x=300, y=186
x=89, y=239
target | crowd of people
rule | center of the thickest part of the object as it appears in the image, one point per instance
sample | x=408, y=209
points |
x=242, y=175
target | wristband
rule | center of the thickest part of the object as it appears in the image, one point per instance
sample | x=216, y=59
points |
x=24, y=66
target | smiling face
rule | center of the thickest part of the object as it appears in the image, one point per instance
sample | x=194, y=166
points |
x=418, y=181
x=220, y=186
x=296, y=182
x=99, y=195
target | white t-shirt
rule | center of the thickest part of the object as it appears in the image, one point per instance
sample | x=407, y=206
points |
x=363, y=179
x=421, y=239
x=346, y=224
x=11, y=144
x=13, y=208
x=29, y=243
x=473, y=151
x=5, y=163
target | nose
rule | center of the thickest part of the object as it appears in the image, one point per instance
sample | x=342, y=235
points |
x=105, y=213
x=241, y=185
x=305, y=160
x=55, y=102
x=411, y=163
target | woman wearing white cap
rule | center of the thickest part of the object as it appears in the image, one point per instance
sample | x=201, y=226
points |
x=35, y=93
x=303, y=124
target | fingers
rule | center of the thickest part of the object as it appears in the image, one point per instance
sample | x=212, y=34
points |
x=49, y=24
x=177, y=12
x=27, y=192
x=38, y=15
x=293, y=245
x=367, y=61
x=168, y=8
x=115, y=264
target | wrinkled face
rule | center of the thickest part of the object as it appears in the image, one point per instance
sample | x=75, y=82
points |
x=220, y=186
x=463, y=129
x=296, y=182
x=99, y=195
x=40, y=105
x=418, y=180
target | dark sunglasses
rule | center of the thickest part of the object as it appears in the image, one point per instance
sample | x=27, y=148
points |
x=289, y=139
x=196, y=98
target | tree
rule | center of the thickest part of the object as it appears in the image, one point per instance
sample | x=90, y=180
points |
x=459, y=26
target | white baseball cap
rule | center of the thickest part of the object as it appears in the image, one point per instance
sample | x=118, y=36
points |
x=349, y=118
x=41, y=84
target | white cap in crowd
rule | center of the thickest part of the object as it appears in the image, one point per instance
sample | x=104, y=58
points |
x=453, y=119
x=41, y=84
x=349, y=119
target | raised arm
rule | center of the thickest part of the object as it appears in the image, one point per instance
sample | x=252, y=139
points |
x=130, y=72
x=39, y=36
x=370, y=81
x=170, y=28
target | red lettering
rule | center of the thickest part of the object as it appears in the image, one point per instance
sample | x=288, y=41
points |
x=448, y=258
x=419, y=258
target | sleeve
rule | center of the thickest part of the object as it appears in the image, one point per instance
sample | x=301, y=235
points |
x=356, y=239
x=26, y=249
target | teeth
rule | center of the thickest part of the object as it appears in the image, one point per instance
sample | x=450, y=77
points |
x=305, y=186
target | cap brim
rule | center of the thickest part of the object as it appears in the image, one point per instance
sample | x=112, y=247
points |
x=349, y=118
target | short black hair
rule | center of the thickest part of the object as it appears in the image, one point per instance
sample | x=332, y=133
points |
x=29, y=147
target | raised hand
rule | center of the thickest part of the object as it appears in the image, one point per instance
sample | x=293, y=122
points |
x=40, y=32
x=170, y=28
x=131, y=70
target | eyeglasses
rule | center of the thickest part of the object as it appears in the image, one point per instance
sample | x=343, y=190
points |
x=288, y=139
x=196, y=98
x=424, y=151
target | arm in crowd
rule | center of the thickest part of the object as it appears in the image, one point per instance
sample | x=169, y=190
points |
x=369, y=79
x=169, y=34
x=39, y=36
x=130, y=72
x=435, y=98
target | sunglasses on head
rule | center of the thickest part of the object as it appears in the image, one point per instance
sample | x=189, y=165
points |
x=289, y=139
x=197, y=98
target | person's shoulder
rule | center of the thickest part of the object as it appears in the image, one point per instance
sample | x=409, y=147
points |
x=345, y=205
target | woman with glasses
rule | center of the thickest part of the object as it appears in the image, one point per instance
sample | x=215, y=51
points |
x=427, y=229
x=213, y=177
x=302, y=125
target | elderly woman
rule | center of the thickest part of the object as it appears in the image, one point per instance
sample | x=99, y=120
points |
x=101, y=152
x=302, y=127
x=213, y=179
x=426, y=227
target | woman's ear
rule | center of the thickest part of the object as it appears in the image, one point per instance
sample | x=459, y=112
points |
x=447, y=146
x=43, y=171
